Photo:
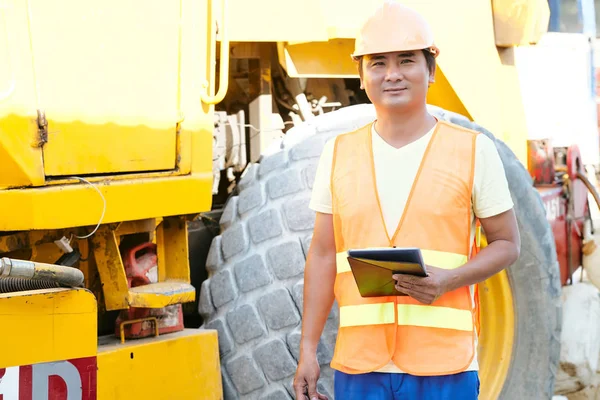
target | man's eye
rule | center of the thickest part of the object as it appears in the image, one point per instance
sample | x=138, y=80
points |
x=377, y=63
x=405, y=61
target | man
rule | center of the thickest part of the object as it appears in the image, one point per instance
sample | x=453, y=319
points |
x=406, y=180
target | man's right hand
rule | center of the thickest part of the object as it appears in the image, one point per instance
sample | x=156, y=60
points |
x=305, y=381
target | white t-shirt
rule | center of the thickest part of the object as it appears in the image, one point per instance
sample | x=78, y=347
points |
x=395, y=171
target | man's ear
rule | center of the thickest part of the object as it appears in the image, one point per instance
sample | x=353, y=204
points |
x=361, y=84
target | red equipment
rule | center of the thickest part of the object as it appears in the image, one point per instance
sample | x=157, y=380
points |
x=142, y=270
x=558, y=174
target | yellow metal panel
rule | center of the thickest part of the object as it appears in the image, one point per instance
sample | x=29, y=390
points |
x=198, y=119
x=121, y=76
x=47, y=325
x=136, y=60
x=515, y=132
x=173, y=255
x=20, y=160
x=100, y=85
x=202, y=145
x=276, y=21
x=182, y=365
x=520, y=22
x=76, y=148
x=319, y=59
x=80, y=205
x=111, y=269
x=160, y=250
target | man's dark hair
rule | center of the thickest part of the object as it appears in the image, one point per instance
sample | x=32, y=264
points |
x=429, y=59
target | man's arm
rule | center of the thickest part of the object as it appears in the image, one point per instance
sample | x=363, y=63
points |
x=503, y=249
x=319, y=279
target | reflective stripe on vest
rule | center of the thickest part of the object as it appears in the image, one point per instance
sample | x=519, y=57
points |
x=408, y=314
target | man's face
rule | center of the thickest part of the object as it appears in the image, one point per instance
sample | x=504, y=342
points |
x=398, y=79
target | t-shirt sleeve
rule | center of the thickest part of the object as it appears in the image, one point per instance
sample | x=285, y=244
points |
x=491, y=195
x=320, y=200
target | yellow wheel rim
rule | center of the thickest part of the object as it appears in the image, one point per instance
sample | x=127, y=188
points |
x=497, y=334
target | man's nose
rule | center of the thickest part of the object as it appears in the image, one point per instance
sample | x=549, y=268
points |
x=394, y=73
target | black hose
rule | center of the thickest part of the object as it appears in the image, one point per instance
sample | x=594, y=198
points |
x=8, y=285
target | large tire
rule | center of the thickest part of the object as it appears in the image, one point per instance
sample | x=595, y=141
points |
x=253, y=296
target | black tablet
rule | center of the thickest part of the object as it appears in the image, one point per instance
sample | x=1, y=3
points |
x=373, y=269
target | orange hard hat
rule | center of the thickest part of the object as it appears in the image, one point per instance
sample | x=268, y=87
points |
x=394, y=27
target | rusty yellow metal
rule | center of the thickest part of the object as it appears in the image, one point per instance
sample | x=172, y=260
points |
x=46, y=253
x=139, y=226
x=84, y=262
x=111, y=269
x=161, y=294
x=13, y=242
x=174, y=280
x=183, y=365
x=29, y=240
x=47, y=325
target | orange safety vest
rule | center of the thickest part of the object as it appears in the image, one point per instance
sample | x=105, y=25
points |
x=436, y=339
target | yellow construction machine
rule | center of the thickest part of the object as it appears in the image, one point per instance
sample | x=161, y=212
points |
x=156, y=161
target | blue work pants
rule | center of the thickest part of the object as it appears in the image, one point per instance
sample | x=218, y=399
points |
x=394, y=386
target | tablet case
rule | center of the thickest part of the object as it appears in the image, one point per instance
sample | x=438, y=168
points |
x=373, y=275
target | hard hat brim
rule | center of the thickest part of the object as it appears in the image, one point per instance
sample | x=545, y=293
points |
x=434, y=50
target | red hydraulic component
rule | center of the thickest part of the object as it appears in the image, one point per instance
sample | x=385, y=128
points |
x=540, y=161
x=141, y=268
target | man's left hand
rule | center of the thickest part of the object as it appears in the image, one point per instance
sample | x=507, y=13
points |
x=424, y=289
